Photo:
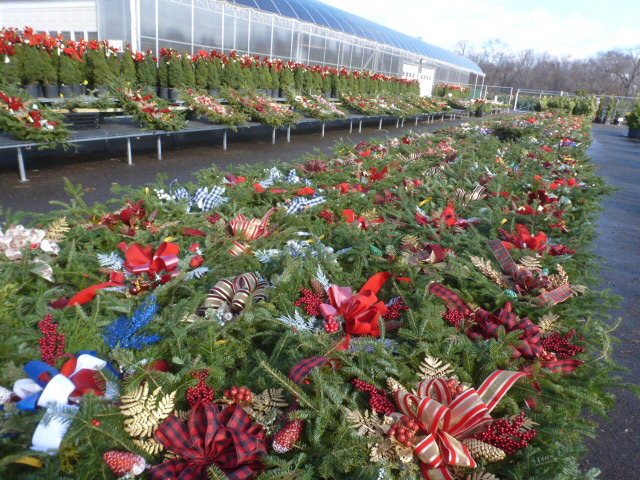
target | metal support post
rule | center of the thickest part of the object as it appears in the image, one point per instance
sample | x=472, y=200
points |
x=380, y=126
x=360, y=126
x=289, y=134
x=224, y=139
x=351, y=126
x=402, y=125
x=322, y=129
x=417, y=117
x=515, y=103
x=23, y=175
x=129, y=157
x=273, y=137
x=398, y=122
x=159, y=147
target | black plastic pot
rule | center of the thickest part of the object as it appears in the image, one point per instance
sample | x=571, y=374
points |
x=479, y=113
x=634, y=133
x=51, y=91
x=174, y=93
x=67, y=91
x=32, y=90
x=163, y=93
x=214, y=92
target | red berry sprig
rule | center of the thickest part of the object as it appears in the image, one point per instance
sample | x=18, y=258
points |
x=404, y=431
x=508, y=435
x=331, y=325
x=201, y=392
x=560, y=345
x=52, y=344
x=379, y=401
x=395, y=310
x=310, y=300
x=454, y=387
x=454, y=317
x=240, y=395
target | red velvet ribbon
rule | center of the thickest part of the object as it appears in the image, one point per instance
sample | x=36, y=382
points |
x=360, y=312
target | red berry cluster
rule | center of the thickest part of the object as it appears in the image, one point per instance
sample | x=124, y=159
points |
x=560, y=345
x=405, y=431
x=331, y=325
x=394, y=311
x=379, y=401
x=213, y=219
x=201, y=392
x=560, y=250
x=454, y=317
x=310, y=300
x=454, y=387
x=508, y=435
x=329, y=216
x=52, y=344
x=239, y=395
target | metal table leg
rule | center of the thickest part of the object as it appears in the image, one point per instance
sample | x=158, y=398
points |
x=224, y=139
x=129, y=157
x=360, y=126
x=322, y=129
x=289, y=134
x=159, y=147
x=23, y=175
x=273, y=137
x=380, y=126
x=398, y=122
x=351, y=126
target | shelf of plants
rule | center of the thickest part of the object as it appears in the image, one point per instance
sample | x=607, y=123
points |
x=417, y=308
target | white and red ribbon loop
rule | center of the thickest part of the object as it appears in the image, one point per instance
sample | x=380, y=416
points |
x=444, y=422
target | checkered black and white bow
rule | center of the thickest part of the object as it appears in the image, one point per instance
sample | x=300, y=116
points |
x=300, y=204
x=203, y=199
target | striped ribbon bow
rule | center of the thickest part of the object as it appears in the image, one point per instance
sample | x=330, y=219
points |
x=248, y=230
x=444, y=421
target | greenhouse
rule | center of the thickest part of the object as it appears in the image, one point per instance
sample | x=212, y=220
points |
x=307, y=31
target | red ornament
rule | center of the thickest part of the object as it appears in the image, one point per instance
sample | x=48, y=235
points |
x=331, y=325
x=96, y=423
x=290, y=434
x=124, y=463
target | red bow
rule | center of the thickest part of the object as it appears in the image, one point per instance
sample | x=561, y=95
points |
x=445, y=421
x=225, y=438
x=361, y=312
x=145, y=260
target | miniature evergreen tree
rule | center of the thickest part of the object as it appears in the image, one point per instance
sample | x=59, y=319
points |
x=147, y=71
x=176, y=71
x=9, y=71
x=100, y=73
x=214, y=74
x=202, y=72
x=70, y=72
x=128, y=66
x=163, y=72
x=188, y=72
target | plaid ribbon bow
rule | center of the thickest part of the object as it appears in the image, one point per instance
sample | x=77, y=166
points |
x=225, y=438
x=524, y=281
x=300, y=204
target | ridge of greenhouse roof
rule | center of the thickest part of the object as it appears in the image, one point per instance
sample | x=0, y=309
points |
x=326, y=15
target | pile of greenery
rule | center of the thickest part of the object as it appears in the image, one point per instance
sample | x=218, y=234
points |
x=305, y=302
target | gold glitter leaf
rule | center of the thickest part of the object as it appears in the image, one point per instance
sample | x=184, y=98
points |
x=432, y=367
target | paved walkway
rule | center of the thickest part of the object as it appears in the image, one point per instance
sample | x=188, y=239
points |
x=616, y=450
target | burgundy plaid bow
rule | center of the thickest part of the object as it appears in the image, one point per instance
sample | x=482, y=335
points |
x=488, y=325
x=225, y=438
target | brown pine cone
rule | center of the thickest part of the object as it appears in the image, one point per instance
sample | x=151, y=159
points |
x=484, y=450
x=317, y=287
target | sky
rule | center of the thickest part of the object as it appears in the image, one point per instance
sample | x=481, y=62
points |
x=574, y=28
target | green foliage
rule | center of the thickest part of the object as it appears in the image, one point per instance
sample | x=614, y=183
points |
x=70, y=72
x=9, y=70
x=128, y=68
x=99, y=71
x=147, y=71
x=176, y=71
x=633, y=119
x=189, y=73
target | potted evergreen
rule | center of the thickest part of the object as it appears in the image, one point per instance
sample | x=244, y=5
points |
x=188, y=72
x=214, y=76
x=275, y=81
x=70, y=72
x=128, y=67
x=100, y=73
x=201, y=71
x=30, y=68
x=9, y=71
x=147, y=72
x=175, y=75
x=633, y=121
x=163, y=77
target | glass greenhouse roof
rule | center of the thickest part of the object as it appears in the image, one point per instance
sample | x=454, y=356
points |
x=317, y=12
